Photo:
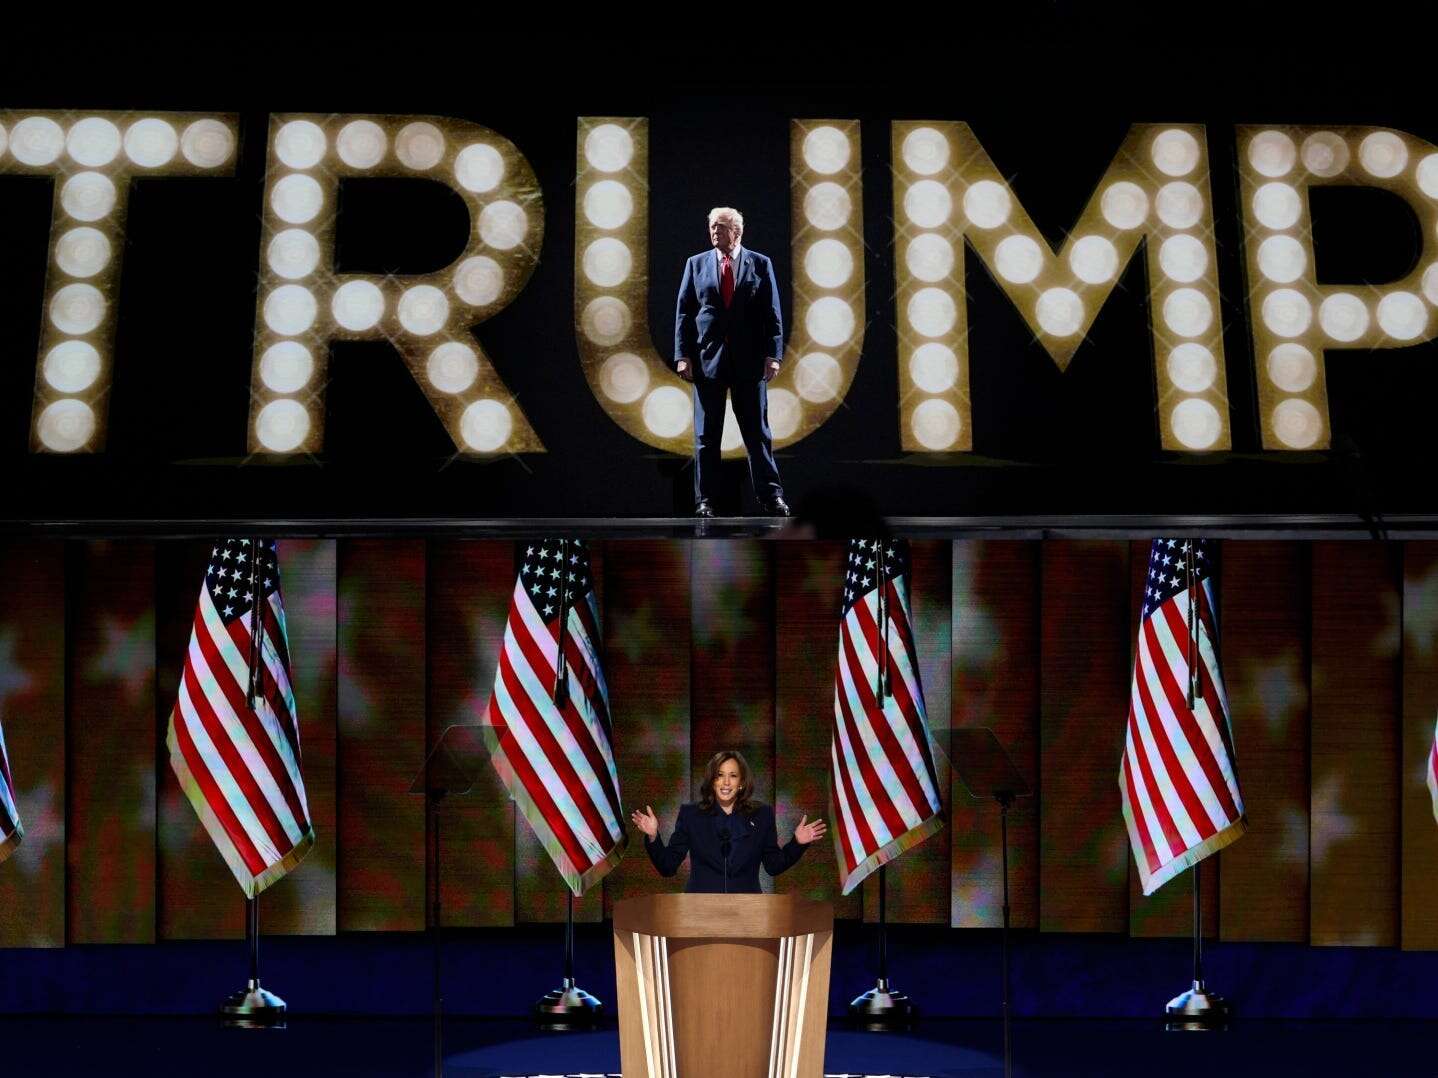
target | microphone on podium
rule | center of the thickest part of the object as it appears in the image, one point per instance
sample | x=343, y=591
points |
x=724, y=847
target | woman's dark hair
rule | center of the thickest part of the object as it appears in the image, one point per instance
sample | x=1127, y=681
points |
x=711, y=772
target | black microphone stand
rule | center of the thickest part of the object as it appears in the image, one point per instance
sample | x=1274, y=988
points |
x=725, y=846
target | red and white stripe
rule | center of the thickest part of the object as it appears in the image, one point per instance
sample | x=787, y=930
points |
x=558, y=763
x=1180, y=792
x=1433, y=772
x=886, y=790
x=240, y=766
x=10, y=830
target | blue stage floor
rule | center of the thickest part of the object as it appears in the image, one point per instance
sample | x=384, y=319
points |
x=475, y=1048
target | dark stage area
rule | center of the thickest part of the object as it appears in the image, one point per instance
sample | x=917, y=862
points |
x=509, y=1049
x=950, y=973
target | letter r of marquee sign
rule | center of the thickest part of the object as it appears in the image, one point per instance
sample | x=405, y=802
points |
x=947, y=190
x=303, y=304
x=92, y=157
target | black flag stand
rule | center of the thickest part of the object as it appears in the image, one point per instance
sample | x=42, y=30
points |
x=1198, y=1008
x=882, y=1007
x=568, y=1006
x=252, y=1006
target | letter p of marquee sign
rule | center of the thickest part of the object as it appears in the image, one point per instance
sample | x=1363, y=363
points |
x=1294, y=318
x=92, y=158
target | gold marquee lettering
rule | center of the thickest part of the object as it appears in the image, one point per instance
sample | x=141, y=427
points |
x=303, y=304
x=92, y=157
x=627, y=375
x=1293, y=317
x=948, y=195
x=947, y=190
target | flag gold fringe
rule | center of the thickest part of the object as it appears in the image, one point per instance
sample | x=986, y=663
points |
x=251, y=885
x=578, y=882
x=11, y=841
x=1190, y=857
x=886, y=853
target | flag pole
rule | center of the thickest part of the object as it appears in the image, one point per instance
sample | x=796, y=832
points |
x=252, y=1005
x=561, y=679
x=882, y=1007
x=885, y=688
x=1198, y=1008
x=568, y=1006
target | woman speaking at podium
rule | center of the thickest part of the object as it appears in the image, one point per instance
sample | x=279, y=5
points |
x=726, y=835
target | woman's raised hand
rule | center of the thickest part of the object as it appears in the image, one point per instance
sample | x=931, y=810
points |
x=646, y=821
x=807, y=832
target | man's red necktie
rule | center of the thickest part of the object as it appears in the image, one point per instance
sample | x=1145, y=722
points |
x=726, y=279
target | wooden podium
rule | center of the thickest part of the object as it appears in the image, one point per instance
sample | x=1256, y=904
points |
x=731, y=984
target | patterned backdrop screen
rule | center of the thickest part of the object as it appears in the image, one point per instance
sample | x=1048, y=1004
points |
x=1330, y=653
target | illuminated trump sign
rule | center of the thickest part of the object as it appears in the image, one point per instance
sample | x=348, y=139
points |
x=948, y=196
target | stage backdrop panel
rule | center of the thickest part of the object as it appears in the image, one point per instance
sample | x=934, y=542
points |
x=1419, y=927
x=470, y=583
x=32, y=708
x=1263, y=630
x=731, y=692
x=1328, y=653
x=918, y=882
x=305, y=901
x=648, y=619
x=381, y=734
x=110, y=867
x=198, y=895
x=808, y=579
x=1356, y=753
x=995, y=632
x=1086, y=624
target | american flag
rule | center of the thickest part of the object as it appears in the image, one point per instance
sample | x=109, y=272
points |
x=1432, y=774
x=10, y=830
x=239, y=761
x=1178, y=780
x=551, y=737
x=886, y=790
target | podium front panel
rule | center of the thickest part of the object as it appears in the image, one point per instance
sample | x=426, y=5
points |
x=755, y=1005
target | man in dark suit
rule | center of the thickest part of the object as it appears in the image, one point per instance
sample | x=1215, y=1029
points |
x=729, y=338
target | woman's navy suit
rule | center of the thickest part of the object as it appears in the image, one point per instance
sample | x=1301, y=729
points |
x=705, y=837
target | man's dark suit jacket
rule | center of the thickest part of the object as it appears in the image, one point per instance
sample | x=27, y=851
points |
x=730, y=344
x=700, y=836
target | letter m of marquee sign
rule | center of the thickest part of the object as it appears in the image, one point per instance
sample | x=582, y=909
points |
x=947, y=191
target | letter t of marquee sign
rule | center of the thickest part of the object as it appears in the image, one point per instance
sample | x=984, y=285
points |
x=92, y=158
